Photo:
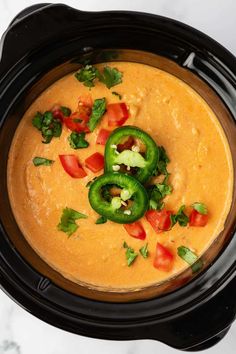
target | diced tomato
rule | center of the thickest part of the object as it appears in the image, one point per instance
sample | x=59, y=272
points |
x=160, y=220
x=95, y=162
x=163, y=259
x=126, y=145
x=71, y=165
x=77, y=122
x=57, y=113
x=86, y=100
x=197, y=219
x=117, y=114
x=135, y=230
x=103, y=135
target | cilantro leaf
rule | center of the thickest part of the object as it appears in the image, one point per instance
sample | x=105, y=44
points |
x=158, y=192
x=37, y=161
x=130, y=254
x=180, y=217
x=200, y=207
x=110, y=76
x=77, y=140
x=87, y=75
x=48, y=125
x=101, y=220
x=98, y=110
x=66, y=111
x=37, y=121
x=144, y=251
x=67, y=223
x=162, y=163
x=125, y=245
x=190, y=257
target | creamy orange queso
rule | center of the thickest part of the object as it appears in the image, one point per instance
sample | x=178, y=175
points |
x=177, y=118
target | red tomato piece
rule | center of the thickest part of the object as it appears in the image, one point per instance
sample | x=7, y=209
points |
x=77, y=122
x=160, y=220
x=57, y=113
x=135, y=230
x=103, y=135
x=163, y=259
x=71, y=165
x=95, y=162
x=197, y=219
x=117, y=114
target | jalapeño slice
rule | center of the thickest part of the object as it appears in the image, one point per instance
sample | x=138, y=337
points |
x=129, y=203
x=132, y=151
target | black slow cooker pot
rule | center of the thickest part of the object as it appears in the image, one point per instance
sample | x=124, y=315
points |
x=45, y=42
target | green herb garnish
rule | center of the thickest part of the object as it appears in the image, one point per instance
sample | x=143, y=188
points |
x=101, y=220
x=48, y=125
x=180, y=217
x=67, y=223
x=66, y=111
x=38, y=161
x=190, y=257
x=110, y=76
x=37, y=120
x=87, y=75
x=200, y=207
x=144, y=251
x=130, y=254
x=158, y=192
x=98, y=110
x=162, y=163
x=117, y=94
x=77, y=140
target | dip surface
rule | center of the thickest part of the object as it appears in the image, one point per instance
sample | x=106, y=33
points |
x=201, y=170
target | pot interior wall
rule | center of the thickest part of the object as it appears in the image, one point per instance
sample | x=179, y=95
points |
x=29, y=92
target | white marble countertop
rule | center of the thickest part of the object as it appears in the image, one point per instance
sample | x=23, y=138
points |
x=20, y=332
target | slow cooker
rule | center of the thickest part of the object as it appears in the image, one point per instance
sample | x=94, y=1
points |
x=45, y=42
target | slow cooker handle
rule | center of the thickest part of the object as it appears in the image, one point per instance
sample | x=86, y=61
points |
x=37, y=26
x=201, y=328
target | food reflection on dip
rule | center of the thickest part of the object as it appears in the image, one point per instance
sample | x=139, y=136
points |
x=122, y=179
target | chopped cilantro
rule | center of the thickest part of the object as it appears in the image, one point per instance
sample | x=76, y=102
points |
x=77, y=140
x=162, y=163
x=125, y=245
x=144, y=251
x=180, y=217
x=48, y=125
x=67, y=223
x=110, y=76
x=200, y=207
x=101, y=220
x=37, y=120
x=190, y=257
x=87, y=75
x=130, y=254
x=37, y=161
x=98, y=110
x=158, y=192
